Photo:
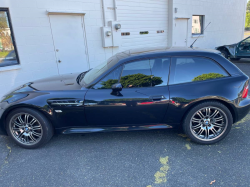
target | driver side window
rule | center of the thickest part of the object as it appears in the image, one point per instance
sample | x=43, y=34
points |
x=245, y=44
x=141, y=73
x=246, y=41
x=136, y=74
x=109, y=80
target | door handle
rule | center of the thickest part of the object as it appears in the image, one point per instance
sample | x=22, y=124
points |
x=157, y=97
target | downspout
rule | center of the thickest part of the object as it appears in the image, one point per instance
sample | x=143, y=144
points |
x=170, y=32
x=104, y=13
x=115, y=11
x=244, y=18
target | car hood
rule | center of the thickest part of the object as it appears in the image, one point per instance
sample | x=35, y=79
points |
x=58, y=82
x=231, y=46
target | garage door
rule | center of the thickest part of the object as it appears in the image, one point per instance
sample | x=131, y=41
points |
x=144, y=23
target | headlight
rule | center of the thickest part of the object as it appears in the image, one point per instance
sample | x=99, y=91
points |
x=14, y=98
x=2, y=98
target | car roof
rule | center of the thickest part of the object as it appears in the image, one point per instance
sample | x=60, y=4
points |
x=163, y=50
x=135, y=54
x=155, y=52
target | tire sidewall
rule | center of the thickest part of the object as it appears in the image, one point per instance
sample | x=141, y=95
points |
x=226, y=55
x=46, y=127
x=186, y=122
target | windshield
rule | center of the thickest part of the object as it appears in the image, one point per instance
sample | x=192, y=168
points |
x=99, y=70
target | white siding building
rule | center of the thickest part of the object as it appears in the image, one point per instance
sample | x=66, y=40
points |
x=54, y=37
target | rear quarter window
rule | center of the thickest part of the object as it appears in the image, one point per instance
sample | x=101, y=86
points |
x=192, y=69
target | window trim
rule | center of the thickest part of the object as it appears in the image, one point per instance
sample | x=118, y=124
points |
x=203, y=24
x=135, y=60
x=93, y=86
x=172, y=70
x=169, y=68
x=12, y=36
x=150, y=58
x=131, y=61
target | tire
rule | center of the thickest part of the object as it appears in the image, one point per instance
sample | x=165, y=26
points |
x=225, y=53
x=31, y=128
x=236, y=59
x=193, y=124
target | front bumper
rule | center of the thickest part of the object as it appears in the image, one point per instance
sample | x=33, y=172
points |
x=2, y=130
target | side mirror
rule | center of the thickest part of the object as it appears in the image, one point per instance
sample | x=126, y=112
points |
x=117, y=87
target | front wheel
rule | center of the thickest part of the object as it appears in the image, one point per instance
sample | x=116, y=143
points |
x=208, y=123
x=224, y=53
x=28, y=128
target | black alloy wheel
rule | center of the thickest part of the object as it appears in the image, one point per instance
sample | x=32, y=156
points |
x=28, y=128
x=208, y=122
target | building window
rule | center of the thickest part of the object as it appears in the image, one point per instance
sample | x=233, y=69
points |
x=8, y=53
x=144, y=32
x=125, y=33
x=197, y=25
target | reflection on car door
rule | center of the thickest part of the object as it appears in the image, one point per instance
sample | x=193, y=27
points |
x=143, y=99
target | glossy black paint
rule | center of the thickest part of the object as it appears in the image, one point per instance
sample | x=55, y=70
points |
x=133, y=106
x=84, y=109
x=111, y=129
x=185, y=96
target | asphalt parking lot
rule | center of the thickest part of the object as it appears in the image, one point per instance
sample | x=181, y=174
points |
x=143, y=158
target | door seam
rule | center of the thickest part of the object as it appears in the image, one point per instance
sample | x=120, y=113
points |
x=54, y=45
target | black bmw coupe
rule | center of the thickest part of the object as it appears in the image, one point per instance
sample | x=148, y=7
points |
x=199, y=90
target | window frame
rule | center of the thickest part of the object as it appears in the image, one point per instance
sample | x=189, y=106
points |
x=149, y=58
x=12, y=36
x=135, y=60
x=244, y=40
x=119, y=78
x=202, y=25
x=173, y=66
x=169, y=67
x=131, y=61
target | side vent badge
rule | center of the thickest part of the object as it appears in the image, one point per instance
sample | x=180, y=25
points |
x=58, y=111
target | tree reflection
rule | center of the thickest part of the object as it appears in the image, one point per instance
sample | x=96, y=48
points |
x=208, y=76
x=108, y=84
x=135, y=80
x=181, y=100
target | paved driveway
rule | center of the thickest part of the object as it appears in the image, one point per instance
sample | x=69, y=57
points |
x=246, y=34
x=244, y=65
x=144, y=158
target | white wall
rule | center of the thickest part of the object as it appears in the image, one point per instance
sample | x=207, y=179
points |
x=35, y=44
x=227, y=19
x=34, y=39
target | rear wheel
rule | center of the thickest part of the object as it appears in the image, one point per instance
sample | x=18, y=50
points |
x=28, y=128
x=208, y=123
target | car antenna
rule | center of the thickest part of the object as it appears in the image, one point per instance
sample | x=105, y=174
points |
x=191, y=46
